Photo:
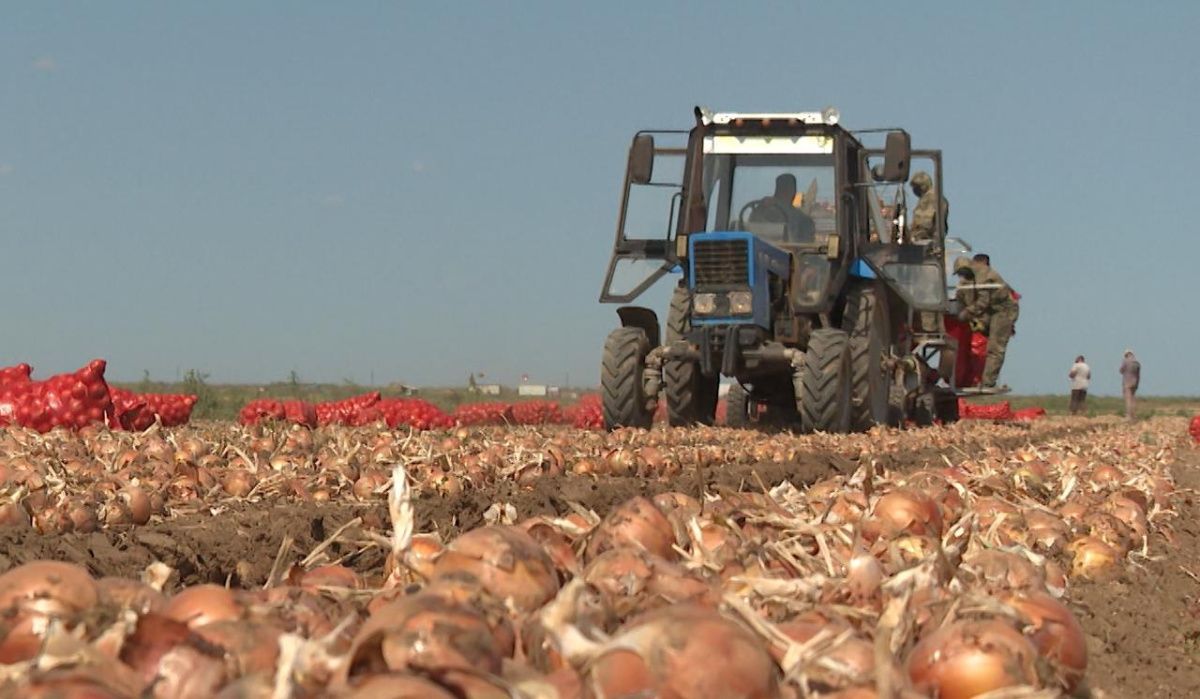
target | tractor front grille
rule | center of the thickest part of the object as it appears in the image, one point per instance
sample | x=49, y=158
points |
x=721, y=263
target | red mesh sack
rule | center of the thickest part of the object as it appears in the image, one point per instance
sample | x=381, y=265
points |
x=65, y=400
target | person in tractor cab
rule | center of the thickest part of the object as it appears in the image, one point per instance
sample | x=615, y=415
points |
x=924, y=227
x=800, y=226
x=988, y=306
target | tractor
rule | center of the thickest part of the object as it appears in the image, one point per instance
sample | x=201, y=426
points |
x=816, y=302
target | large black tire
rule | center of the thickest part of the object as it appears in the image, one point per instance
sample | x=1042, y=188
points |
x=737, y=407
x=825, y=403
x=623, y=398
x=691, y=396
x=867, y=322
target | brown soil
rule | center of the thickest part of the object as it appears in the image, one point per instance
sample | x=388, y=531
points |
x=239, y=545
x=1144, y=629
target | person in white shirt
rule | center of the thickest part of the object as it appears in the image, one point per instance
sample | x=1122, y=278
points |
x=1080, y=376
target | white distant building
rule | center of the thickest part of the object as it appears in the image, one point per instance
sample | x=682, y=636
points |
x=489, y=389
x=530, y=389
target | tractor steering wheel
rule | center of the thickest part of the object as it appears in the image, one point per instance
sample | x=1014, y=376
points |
x=765, y=204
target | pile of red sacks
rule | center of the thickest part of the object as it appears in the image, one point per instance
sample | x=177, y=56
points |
x=261, y=409
x=371, y=408
x=367, y=409
x=997, y=411
x=587, y=414
x=81, y=398
x=138, y=411
x=484, y=414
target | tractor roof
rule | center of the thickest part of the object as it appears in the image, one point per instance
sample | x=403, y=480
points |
x=828, y=117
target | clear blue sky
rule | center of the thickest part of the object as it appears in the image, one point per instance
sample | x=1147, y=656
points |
x=419, y=190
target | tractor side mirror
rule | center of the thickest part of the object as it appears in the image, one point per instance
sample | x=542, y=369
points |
x=641, y=159
x=897, y=155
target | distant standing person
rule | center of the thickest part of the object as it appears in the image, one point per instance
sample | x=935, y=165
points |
x=1081, y=377
x=1131, y=375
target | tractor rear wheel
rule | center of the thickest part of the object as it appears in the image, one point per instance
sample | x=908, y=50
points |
x=737, y=407
x=622, y=372
x=867, y=322
x=691, y=396
x=825, y=403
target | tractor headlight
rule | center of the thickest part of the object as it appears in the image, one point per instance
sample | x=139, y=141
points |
x=704, y=304
x=741, y=303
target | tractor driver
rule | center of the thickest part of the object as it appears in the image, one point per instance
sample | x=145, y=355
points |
x=800, y=228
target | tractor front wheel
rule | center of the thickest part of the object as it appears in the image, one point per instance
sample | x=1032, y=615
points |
x=690, y=395
x=622, y=373
x=825, y=403
x=866, y=320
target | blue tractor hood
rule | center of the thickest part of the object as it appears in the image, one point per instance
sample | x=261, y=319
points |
x=720, y=262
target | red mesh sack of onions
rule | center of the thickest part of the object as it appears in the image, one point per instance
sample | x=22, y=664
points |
x=993, y=411
x=270, y=409
x=483, y=414
x=65, y=400
x=537, y=412
x=1194, y=428
x=408, y=412
x=172, y=409
x=261, y=409
x=587, y=414
x=15, y=374
x=342, y=412
x=130, y=411
x=300, y=412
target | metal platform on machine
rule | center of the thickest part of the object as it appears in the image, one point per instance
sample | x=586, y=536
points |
x=982, y=391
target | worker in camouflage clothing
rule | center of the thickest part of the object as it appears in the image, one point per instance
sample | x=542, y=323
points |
x=987, y=304
x=924, y=227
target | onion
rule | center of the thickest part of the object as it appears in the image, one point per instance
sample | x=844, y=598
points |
x=1106, y=475
x=908, y=511
x=331, y=576
x=253, y=646
x=637, y=523
x=864, y=576
x=969, y=658
x=506, y=561
x=1094, y=559
x=199, y=605
x=239, y=483
x=422, y=553
x=394, y=686
x=426, y=633
x=1001, y=570
x=1047, y=531
x=554, y=543
x=1055, y=633
x=34, y=593
x=13, y=515
x=83, y=518
x=684, y=652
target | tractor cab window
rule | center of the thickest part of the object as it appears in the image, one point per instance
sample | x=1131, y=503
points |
x=787, y=198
